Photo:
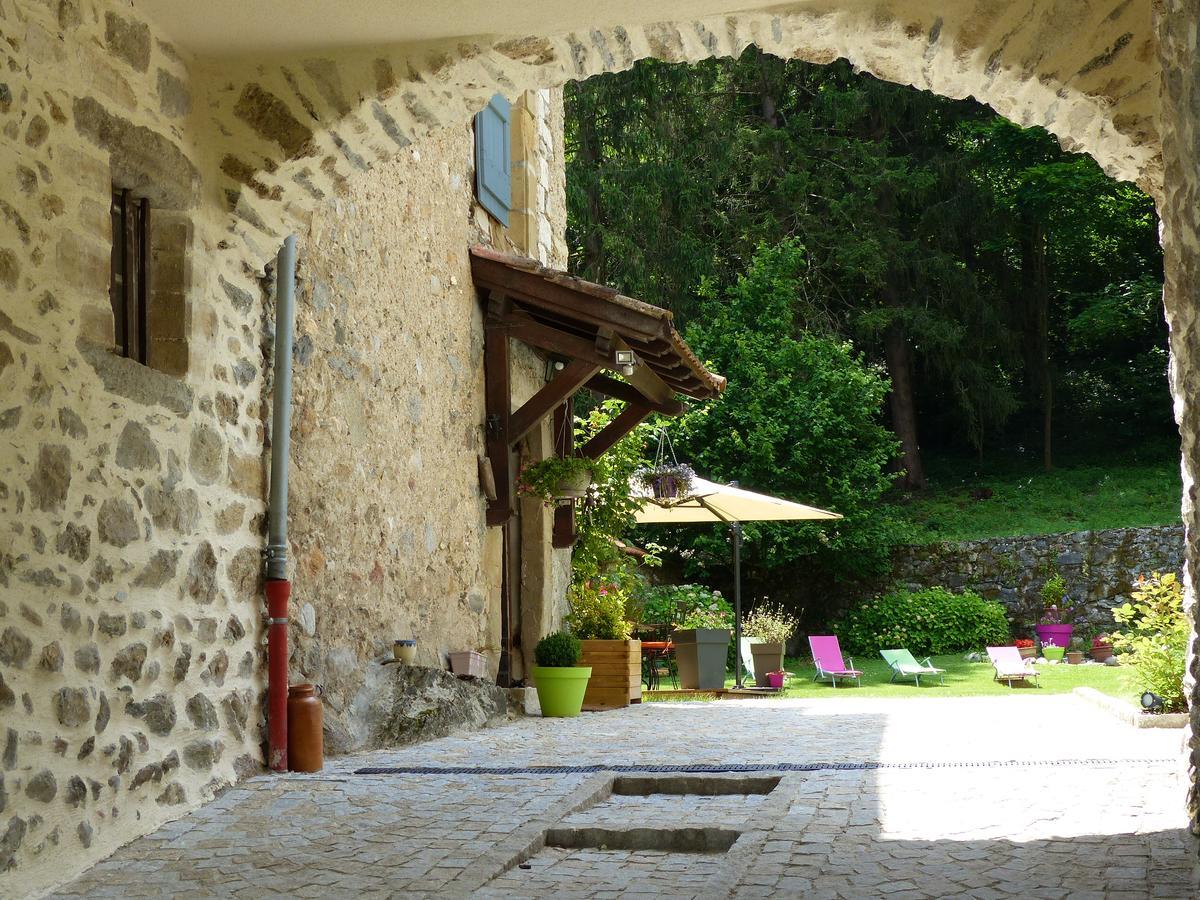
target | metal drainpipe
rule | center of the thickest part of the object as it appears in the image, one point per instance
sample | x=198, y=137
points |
x=278, y=587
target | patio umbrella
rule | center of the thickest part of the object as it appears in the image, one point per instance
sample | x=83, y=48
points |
x=731, y=505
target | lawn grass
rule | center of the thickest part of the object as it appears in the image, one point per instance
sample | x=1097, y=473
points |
x=963, y=679
x=1121, y=490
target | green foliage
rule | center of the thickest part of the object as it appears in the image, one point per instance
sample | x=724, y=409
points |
x=684, y=606
x=558, y=650
x=1092, y=490
x=1053, y=590
x=800, y=419
x=542, y=479
x=606, y=516
x=770, y=623
x=1154, y=638
x=1000, y=261
x=597, y=611
x=931, y=621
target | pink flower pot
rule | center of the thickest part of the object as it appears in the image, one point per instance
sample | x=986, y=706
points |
x=775, y=679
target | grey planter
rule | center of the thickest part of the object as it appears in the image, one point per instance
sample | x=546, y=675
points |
x=767, y=658
x=700, y=654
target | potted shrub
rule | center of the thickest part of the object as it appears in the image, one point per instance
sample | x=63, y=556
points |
x=671, y=481
x=1057, y=621
x=771, y=627
x=597, y=618
x=556, y=478
x=1025, y=645
x=1102, y=648
x=560, y=681
x=702, y=648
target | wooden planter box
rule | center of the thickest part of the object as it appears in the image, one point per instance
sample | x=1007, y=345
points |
x=616, y=673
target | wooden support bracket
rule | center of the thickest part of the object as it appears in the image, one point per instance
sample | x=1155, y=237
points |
x=552, y=394
x=625, y=422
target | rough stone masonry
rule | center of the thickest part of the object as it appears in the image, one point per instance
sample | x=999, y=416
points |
x=131, y=497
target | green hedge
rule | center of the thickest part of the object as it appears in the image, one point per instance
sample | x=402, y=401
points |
x=928, y=622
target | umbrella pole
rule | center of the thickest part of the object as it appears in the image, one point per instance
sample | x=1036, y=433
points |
x=736, y=531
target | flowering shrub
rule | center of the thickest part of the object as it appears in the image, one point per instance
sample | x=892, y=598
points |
x=686, y=606
x=1155, y=637
x=1023, y=643
x=770, y=623
x=1101, y=640
x=597, y=611
x=928, y=622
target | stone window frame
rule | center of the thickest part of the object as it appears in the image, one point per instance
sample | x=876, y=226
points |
x=156, y=312
x=129, y=274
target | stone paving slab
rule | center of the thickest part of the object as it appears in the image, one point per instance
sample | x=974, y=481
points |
x=978, y=829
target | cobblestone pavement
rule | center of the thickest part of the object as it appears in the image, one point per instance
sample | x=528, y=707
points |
x=1028, y=795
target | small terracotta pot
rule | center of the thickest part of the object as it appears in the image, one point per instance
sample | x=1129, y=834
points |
x=306, y=744
x=1074, y=657
x=1028, y=652
x=1102, y=652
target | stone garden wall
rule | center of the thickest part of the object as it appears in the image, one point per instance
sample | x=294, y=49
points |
x=1099, y=567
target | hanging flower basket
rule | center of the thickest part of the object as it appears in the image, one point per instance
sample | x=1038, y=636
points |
x=668, y=482
x=556, y=478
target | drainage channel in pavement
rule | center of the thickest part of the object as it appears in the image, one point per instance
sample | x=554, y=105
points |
x=667, y=834
x=720, y=768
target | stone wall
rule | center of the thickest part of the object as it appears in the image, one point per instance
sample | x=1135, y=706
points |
x=130, y=496
x=388, y=521
x=1099, y=567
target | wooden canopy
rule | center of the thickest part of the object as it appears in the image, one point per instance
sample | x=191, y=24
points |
x=585, y=328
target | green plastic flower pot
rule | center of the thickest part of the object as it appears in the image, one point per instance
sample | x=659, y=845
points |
x=1054, y=652
x=561, y=689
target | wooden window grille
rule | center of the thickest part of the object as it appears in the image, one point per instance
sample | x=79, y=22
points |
x=129, y=288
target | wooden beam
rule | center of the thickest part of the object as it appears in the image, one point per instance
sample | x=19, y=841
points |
x=532, y=288
x=610, y=387
x=563, y=534
x=496, y=409
x=552, y=394
x=624, y=423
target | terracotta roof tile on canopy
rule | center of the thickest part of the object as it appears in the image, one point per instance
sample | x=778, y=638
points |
x=554, y=311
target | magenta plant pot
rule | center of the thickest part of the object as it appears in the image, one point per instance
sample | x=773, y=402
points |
x=1058, y=635
x=775, y=679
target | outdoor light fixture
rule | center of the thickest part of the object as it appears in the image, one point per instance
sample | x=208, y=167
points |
x=1152, y=701
x=625, y=361
x=553, y=367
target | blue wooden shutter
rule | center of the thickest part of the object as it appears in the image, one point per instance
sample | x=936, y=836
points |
x=493, y=166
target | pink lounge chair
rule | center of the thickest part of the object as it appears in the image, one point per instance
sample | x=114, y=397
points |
x=827, y=654
x=1010, y=666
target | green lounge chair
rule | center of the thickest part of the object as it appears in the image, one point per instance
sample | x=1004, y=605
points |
x=902, y=663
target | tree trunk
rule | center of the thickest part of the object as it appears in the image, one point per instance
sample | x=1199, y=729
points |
x=1035, y=283
x=898, y=356
x=589, y=153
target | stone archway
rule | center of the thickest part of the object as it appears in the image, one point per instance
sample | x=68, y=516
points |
x=294, y=129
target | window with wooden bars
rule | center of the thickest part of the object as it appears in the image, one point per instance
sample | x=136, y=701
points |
x=129, y=288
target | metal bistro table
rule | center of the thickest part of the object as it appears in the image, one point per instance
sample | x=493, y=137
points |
x=654, y=653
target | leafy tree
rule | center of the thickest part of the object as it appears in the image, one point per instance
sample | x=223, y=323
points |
x=800, y=419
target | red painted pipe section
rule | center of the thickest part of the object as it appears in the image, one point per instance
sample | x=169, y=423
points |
x=278, y=592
